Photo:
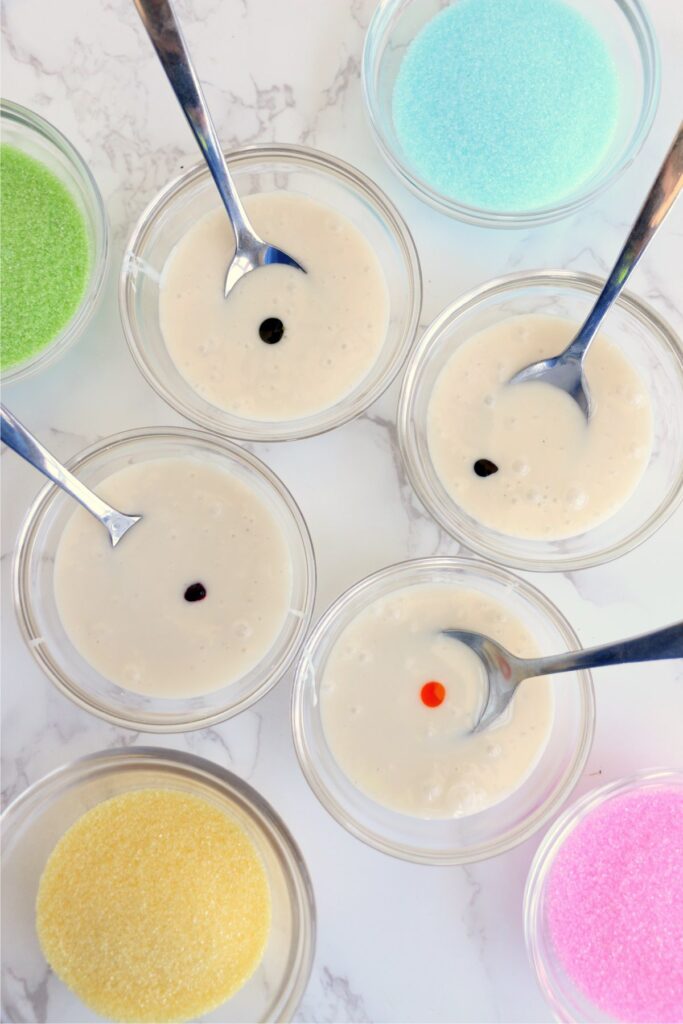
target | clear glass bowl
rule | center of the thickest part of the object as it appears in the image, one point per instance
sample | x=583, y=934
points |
x=41, y=625
x=267, y=169
x=650, y=346
x=567, y=1002
x=477, y=836
x=625, y=28
x=36, y=137
x=35, y=821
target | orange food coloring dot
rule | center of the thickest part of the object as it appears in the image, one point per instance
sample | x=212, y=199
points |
x=433, y=694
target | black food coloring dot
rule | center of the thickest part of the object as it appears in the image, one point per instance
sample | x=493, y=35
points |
x=271, y=330
x=195, y=592
x=484, y=467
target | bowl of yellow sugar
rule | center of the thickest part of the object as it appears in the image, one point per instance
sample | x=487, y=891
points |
x=151, y=885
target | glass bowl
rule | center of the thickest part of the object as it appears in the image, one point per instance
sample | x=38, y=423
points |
x=476, y=836
x=268, y=169
x=568, y=1003
x=41, y=625
x=35, y=821
x=36, y=137
x=650, y=346
x=625, y=28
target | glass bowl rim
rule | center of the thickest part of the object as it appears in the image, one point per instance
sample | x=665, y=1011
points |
x=74, y=327
x=330, y=166
x=645, y=37
x=318, y=785
x=571, y=280
x=544, y=857
x=34, y=519
x=73, y=772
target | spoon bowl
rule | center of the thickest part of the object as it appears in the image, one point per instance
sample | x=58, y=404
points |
x=565, y=372
x=503, y=672
x=251, y=254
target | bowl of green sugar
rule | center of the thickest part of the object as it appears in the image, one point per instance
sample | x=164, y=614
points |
x=53, y=243
x=510, y=113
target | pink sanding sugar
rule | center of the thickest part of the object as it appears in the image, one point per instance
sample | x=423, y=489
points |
x=614, y=906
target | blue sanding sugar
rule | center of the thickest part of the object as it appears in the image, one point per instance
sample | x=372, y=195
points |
x=507, y=105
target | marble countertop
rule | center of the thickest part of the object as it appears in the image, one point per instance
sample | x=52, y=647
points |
x=396, y=942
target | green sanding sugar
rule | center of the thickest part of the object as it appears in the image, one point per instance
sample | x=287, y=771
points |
x=44, y=256
x=507, y=105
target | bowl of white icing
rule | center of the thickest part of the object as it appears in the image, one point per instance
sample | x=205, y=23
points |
x=202, y=609
x=384, y=703
x=286, y=354
x=516, y=472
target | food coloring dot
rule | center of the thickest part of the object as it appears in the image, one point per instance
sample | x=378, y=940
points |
x=195, y=592
x=271, y=330
x=484, y=467
x=432, y=694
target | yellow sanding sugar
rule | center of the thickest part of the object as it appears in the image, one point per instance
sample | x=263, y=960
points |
x=154, y=906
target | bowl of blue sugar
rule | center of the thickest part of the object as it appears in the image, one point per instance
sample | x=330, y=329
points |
x=510, y=112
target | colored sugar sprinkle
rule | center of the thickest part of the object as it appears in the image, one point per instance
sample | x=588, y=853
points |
x=154, y=906
x=614, y=906
x=507, y=105
x=44, y=256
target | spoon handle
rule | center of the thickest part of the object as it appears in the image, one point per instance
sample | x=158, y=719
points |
x=660, y=199
x=164, y=31
x=16, y=436
x=662, y=645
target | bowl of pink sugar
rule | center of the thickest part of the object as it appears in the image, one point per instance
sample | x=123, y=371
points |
x=604, y=904
x=53, y=245
x=510, y=113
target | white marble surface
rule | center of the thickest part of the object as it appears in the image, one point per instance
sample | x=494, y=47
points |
x=396, y=942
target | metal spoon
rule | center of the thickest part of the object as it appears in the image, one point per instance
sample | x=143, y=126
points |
x=16, y=436
x=565, y=370
x=505, y=672
x=164, y=31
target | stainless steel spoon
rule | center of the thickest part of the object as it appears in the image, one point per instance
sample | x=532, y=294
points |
x=565, y=370
x=164, y=31
x=16, y=436
x=505, y=672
